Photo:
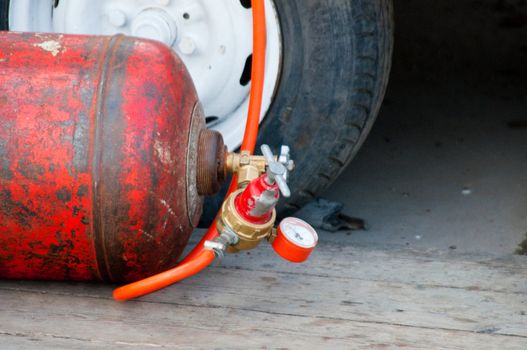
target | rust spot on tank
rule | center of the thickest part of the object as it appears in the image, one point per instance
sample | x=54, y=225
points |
x=5, y=171
x=75, y=210
x=150, y=90
x=63, y=195
x=82, y=191
x=11, y=208
x=30, y=170
x=35, y=244
x=56, y=249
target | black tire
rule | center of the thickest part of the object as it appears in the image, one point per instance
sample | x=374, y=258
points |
x=4, y=14
x=336, y=63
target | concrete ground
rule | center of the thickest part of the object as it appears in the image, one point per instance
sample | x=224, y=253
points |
x=445, y=166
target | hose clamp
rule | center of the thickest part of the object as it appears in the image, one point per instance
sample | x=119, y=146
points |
x=220, y=244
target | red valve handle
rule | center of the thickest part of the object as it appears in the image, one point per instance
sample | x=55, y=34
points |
x=295, y=240
x=256, y=203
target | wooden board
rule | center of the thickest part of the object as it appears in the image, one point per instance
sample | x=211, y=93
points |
x=346, y=297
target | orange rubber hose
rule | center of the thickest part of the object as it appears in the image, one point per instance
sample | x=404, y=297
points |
x=164, y=279
x=257, y=77
x=199, y=258
x=255, y=107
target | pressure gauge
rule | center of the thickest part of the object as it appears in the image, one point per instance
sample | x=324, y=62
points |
x=295, y=240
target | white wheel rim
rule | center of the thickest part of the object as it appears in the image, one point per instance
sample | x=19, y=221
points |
x=213, y=38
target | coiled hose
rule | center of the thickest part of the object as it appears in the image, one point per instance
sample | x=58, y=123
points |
x=199, y=258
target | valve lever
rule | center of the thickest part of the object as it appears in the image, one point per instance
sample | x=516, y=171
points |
x=268, y=154
x=276, y=171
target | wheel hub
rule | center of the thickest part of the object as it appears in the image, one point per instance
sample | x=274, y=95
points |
x=152, y=23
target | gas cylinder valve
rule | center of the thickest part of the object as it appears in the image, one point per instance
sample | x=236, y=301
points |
x=276, y=171
x=249, y=213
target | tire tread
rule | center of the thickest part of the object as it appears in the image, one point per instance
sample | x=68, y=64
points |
x=373, y=39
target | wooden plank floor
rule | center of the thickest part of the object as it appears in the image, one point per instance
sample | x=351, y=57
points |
x=346, y=297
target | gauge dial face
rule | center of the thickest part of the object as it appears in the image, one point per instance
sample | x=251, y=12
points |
x=299, y=232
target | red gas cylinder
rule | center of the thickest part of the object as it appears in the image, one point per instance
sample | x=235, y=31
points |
x=103, y=157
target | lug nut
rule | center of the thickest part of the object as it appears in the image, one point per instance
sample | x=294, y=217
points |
x=187, y=46
x=116, y=18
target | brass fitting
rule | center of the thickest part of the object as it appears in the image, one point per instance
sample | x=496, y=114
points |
x=250, y=234
x=246, y=166
x=235, y=161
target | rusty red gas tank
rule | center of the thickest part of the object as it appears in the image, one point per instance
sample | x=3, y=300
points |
x=100, y=138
